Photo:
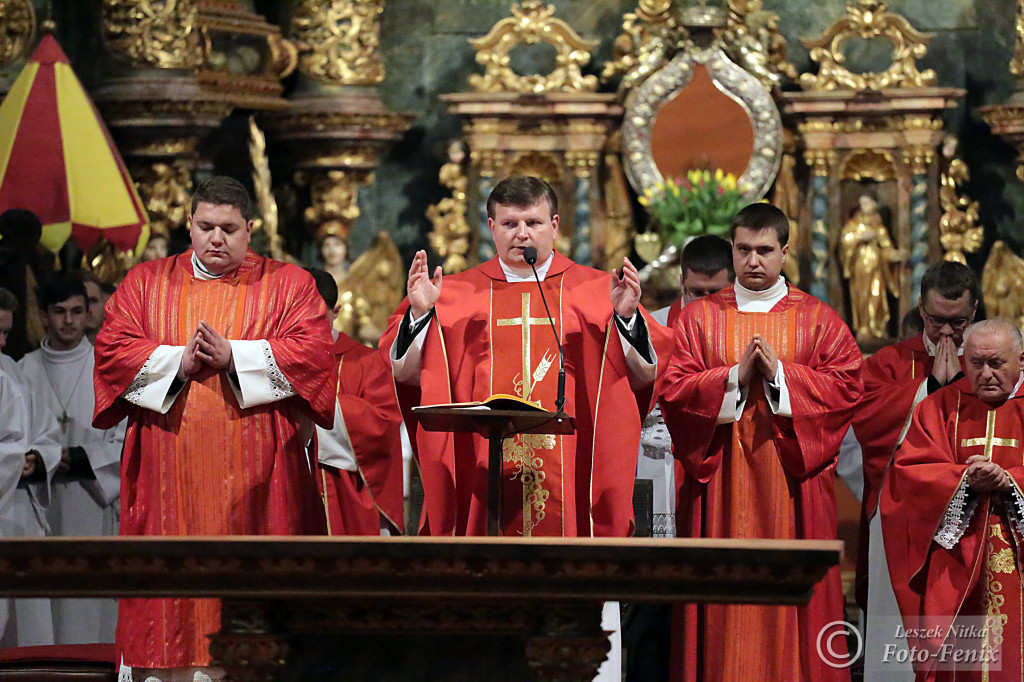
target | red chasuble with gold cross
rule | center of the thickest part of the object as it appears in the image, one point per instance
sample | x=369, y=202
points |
x=490, y=336
x=208, y=467
x=764, y=476
x=923, y=496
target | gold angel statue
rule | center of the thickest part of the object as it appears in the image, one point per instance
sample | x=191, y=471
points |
x=1002, y=284
x=871, y=265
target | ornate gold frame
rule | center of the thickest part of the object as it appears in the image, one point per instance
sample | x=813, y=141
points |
x=645, y=102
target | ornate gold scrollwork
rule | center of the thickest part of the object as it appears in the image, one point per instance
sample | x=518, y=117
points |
x=869, y=164
x=868, y=19
x=1017, y=62
x=334, y=199
x=262, y=183
x=165, y=189
x=645, y=44
x=17, y=29
x=450, y=236
x=1002, y=284
x=530, y=23
x=752, y=39
x=959, y=232
x=155, y=33
x=337, y=40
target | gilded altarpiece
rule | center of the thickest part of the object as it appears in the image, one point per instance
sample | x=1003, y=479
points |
x=870, y=215
x=554, y=126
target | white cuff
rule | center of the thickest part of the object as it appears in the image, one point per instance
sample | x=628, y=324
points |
x=150, y=389
x=783, y=407
x=735, y=398
x=957, y=517
x=406, y=369
x=641, y=372
x=260, y=380
x=335, y=446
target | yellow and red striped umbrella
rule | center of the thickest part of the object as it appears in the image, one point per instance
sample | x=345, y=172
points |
x=57, y=159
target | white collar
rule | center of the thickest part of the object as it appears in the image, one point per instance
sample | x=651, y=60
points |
x=1016, y=388
x=542, y=271
x=930, y=347
x=762, y=301
x=75, y=354
x=200, y=271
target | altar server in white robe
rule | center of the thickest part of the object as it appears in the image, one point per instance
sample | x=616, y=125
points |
x=86, y=488
x=24, y=512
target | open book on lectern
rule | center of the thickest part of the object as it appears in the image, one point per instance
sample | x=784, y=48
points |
x=498, y=401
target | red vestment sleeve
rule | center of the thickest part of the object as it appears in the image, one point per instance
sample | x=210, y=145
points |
x=915, y=496
x=693, y=395
x=122, y=346
x=301, y=346
x=822, y=395
x=366, y=395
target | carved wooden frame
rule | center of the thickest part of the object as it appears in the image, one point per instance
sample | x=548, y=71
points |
x=645, y=103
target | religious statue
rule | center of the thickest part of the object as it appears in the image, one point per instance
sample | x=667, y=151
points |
x=334, y=250
x=871, y=265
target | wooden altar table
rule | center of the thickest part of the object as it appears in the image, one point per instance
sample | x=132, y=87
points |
x=409, y=608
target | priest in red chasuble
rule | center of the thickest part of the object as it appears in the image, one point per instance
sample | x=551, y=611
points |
x=485, y=331
x=953, y=511
x=221, y=361
x=896, y=379
x=757, y=397
x=361, y=455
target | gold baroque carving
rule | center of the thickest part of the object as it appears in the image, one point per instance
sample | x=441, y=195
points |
x=753, y=40
x=155, y=33
x=820, y=160
x=959, y=232
x=264, y=194
x=334, y=199
x=166, y=190
x=648, y=37
x=530, y=23
x=1017, y=62
x=450, y=237
x=869, y=164
x=1002, y=284
x=337, y=41
x=17, y=29
x=918, y=158
x=868, y=19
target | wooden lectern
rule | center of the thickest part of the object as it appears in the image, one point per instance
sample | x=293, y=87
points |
x=496, y=426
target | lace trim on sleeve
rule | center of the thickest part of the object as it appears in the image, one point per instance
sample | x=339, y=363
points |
x=140, y=383
x=280, y=387
x=1016, y=509
x=958, y=516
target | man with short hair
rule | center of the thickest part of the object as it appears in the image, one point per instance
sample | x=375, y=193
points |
x=952, y=512
x=757, y=397
x=896, y=379
x=488, y=332
x=705, y=266
x=95, y=299
x=23, y=509
x=361, y=455
x=85, y=489
x=221, y=361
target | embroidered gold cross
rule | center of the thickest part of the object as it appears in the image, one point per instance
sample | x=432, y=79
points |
x=989, y=441
x=524, y=321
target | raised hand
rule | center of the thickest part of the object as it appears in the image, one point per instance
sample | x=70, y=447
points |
x=748, y=363
x=423, y=291
x=211, y=347
x=624, y=290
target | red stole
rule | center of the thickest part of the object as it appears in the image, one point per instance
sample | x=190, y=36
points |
x=980, y=575
x=761, y=477
x=208, y=467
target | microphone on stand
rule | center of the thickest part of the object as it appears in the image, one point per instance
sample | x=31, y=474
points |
x=530, y=256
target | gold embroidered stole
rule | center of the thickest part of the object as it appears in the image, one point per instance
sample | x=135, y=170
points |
x=524, y=363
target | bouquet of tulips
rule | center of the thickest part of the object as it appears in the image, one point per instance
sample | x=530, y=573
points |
x=703, y=202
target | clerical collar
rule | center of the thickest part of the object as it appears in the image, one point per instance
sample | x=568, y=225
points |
x=200, y=271
x=75, y=354
x=1016, y=388
x=542, y=271
x=930, y=347
x=762, y=301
